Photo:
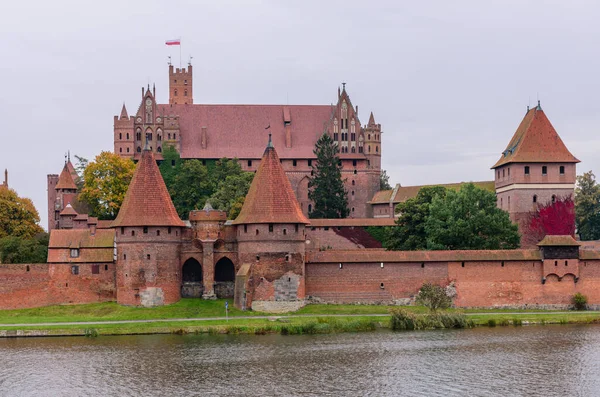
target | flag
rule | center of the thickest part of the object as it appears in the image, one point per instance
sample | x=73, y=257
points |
x=173, y=42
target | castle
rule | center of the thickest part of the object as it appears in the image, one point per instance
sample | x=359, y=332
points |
x=271, y=257
x=212, y=132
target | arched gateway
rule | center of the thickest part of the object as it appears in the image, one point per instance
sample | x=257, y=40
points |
x=224, y=278
x=191, y=276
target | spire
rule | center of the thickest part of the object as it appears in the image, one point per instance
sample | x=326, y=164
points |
x=270, y=198
x=371, y=119
x=65, y=180
x=536, y=141
x=5, y=184
x=124, y=114
x=539, y=107
x=147, y=202
x=270, y=143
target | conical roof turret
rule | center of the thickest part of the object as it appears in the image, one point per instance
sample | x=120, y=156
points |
x=147, y=202
x=270, y=198
x=65, y=180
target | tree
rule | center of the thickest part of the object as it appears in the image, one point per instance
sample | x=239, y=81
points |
x=190, y=183
x=18, y=216
x=552, y=218
x=106, y=180
x=409, y=233
x=587, y=207
x=433, y=297
x=80, y=167
x=24, y=250
x=384, y=181
x=469, y=219
x=325, y=186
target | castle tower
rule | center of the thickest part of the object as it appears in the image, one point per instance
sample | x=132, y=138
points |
x=373, y=142
x=180, y=85
x=62, y=191
x=148, y=238
x=124, y=138
x=148, y=126
x=535, y=168
x=271, y=241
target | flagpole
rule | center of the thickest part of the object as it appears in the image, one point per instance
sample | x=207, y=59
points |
x=180, y=52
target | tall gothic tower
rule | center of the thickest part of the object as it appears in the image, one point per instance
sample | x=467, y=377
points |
x=180, y=85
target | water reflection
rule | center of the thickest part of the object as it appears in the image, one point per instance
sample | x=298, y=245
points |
x=533, y=361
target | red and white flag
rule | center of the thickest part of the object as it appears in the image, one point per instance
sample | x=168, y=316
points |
x=173, y=42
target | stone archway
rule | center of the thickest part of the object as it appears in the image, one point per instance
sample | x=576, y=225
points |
x=224, y=278
x=191, y=277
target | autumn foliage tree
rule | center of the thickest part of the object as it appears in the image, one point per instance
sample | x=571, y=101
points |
x=105, y=182
x=553, y=218
x=587, y=206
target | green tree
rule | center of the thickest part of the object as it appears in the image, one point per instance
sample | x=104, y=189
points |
x=18, y=216
x=409, y=233
x=587, y=207
x=24, y=250
x=433, y=297
x=191, y=187
x=326, y=187
x=80, y=167
x=231, y=192
x=469, y=219
x=384, y=181
x=106, y=180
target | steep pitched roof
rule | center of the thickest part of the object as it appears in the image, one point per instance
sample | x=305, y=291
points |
x=371, y=119
x=69, y=210
x=147, y=202
x=124, y=114
x=270, y=198
x=65, y=180
x=536, y=141
x=238, y=130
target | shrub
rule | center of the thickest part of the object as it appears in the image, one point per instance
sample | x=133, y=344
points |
x=517, y=322
x=91, y=332
x=433, y=297
x=580, y=301
x=405, y=320
x=402, y=319
x=491, y=322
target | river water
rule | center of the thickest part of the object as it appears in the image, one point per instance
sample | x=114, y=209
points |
x=533, y=361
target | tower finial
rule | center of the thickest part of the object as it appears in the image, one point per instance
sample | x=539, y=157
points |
x=270, y=144
x=343, y=86
x=539, y=107
x=69, y=155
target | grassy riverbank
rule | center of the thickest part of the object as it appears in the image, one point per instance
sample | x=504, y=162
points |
x=198, y=316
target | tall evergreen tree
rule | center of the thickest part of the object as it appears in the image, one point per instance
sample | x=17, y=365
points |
x=325, y=186
x=587, y=206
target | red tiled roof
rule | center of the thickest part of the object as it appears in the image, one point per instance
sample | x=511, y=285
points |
x=536, y=141
x=553, y=241
x=380, y=255
x=81, y=238
x=352, y=222
x=69, y=210
x=239, y=130
x=270, y=198
x=407, y=192
x=65, y=180
x=147, y=202
x=103, y=224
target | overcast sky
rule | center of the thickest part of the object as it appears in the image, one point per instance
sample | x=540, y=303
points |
x=448, y=80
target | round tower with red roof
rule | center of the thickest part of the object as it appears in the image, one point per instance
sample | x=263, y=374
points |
x=148, y=235
x=271, y=241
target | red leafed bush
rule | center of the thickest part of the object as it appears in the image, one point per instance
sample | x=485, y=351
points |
x=557, y=218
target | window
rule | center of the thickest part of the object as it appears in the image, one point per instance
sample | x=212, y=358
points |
x=124, y=256
x=185, y=93
x=553, y=199
x=174, y=136
x=245, y=228
x=74, y=253
x=185, y=82
x=296, y=227
x=535, y=198
x=249, y=163
x=526, y=170
x=128, y=135
x=503, y=173
x=28, y=268
x=284, y=232
x=353, y=182
x=133, y=233
x=508, y=171
x=169, y=230
x=127, y=150
x=270, y=228
x=369, y=149
x=75, y=270
x=169, y=136
x=122, y=231
x=159, y=150
x=145, y=229
x=355, y=172
x=353, y=192
x=562, y=169
x=354, y=163
x=106, y=267
x=352, y=209
x=360, y=149
x=120, y=136
x=147, y=256
x=138, y=136
x=309, y=208
x=294, y=163
x=120, y=150
x=175, y=91
x=95, y=269
x=257, y=232
x=377, y=151
x=172, y=163
x=139, y=149
x=544, y=170
x=335, y=136
x=158, y=232
x=310, y=163
x=353, y=137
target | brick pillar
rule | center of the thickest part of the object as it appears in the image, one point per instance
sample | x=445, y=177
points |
x=208, y=270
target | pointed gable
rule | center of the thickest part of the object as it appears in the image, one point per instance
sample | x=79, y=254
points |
x=371, y=119
x=147, y=202
x=270, y=198
x=65, y=180
x=536, y=141
x=124, y=115
x=69, y=211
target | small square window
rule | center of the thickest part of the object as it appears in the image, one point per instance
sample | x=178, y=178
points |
x=74, y=253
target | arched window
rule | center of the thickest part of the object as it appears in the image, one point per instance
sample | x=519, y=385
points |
x=353, y=150
x=376, y=149
x=535, y=198
x=353, y=182
x=191, y=271
x=169, y=135
x=353, y=192
x=139, y=149
x=127, y=150
x=159, y=149
x=369, y=137
x=175, y=92
x=158, y=138
x=185, y=93
x=553, y=199
x=128, y=135
x=138, y=136
x=120, y=136
x=369, y=149
x=360, y=149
